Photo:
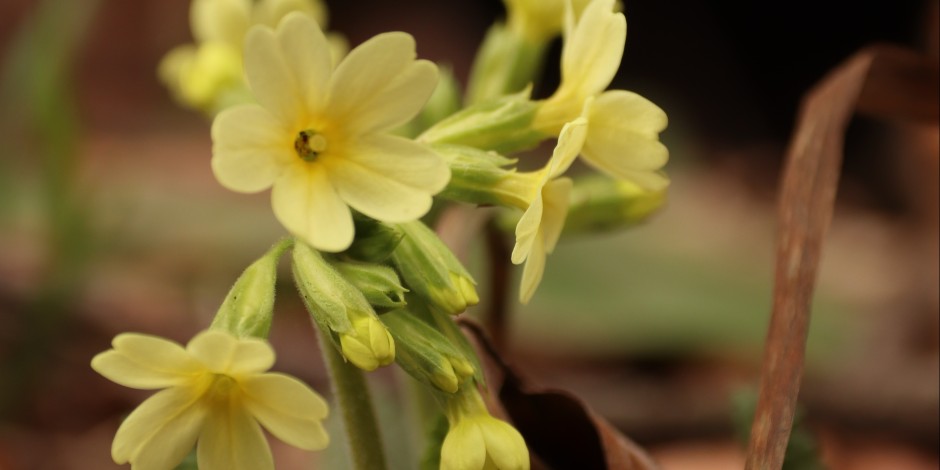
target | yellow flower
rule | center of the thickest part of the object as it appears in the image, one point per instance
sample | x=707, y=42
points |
x=216, y=393
x=318, y=135
x=478, y=441
x=623, y=134
x=540, y=227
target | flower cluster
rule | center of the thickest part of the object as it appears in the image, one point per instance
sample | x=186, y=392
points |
x=355, y=159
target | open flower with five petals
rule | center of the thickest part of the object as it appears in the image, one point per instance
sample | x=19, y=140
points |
x=318, y=136
x=216, y=392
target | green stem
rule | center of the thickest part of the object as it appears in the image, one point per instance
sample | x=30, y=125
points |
x=355, y=404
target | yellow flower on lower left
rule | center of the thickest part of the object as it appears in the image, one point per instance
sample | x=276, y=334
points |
x=217, y=393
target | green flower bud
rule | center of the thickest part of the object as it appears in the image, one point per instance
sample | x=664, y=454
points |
x=339, y=307
x=432, y=271
x=600, y=204
x=503, y=125
x=249, y=306
x=445, y=325
x=375, y=241
x=368, y=345
x=425, y=353
x=379, y=284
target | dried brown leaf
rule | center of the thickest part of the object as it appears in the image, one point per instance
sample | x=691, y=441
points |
x=560, y=430
x=881, y=81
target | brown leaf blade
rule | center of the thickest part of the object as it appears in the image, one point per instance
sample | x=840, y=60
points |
x=882, y=81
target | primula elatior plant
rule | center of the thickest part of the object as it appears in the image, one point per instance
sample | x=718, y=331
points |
x=356, y=147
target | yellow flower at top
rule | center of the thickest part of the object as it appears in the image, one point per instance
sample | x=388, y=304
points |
x=318, y=135
x=539, y=20
x=217, y=391
x=208, y=74
x=623, y=130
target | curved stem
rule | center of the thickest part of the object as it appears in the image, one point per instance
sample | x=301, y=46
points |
x=355, y=405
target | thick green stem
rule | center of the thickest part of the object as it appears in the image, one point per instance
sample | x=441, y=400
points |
x=355, y=405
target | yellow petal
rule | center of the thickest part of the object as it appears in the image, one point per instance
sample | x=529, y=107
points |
x=223, y=353
x=250, y=148
x=161, y=431
x=288, y=408
x=504, y=445
x=463, y=448
x=527, y=230
x=389, y=178
x=591, y=54
x=379, y=85
x=306, y=203
x=555, y=197
x=145, y=362
x=271, y=12
x=120, y=369
x=271, y=79
x=220, y=20
x=570, y=141
x=308, y=57
x=533, y=270
x=232, y=440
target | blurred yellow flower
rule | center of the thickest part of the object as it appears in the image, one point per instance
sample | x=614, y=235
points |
x=623, y=131
x=208, y=74
x=539, y=20
x=318, y=136
x=478, y=441
x=216, y=393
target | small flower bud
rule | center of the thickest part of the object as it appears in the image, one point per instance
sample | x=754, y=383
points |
x=249, y=305
x=339, y=307
x=379, y=284
x=425, y=353
x=368, y=345
x=502, y=125
x=432, y=271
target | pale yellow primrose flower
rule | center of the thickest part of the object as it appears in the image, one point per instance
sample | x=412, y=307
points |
x=478, y=441
x=216, y=393
x=318, y=135
x=540, y=227
x=623, y=134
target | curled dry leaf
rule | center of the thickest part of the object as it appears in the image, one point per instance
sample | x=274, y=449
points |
x=562, y=432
